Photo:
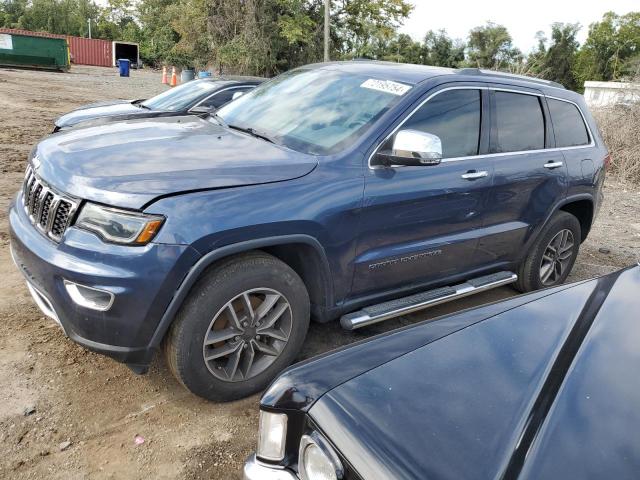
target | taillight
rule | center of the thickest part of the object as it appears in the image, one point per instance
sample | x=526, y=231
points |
x=607, y=161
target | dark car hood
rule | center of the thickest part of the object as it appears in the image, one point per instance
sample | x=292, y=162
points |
x=130, y=163
x=303, y=384
x=457, y=406
x=104, y=103
x=93, y=111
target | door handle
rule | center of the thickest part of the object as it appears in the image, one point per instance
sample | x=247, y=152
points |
x=473, y=175
x=552, y=165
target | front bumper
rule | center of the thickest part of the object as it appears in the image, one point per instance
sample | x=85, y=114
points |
x=254, y=470
x=142, y=280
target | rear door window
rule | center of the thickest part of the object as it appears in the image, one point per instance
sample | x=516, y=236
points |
x=454, y=116
x=568, y=124
x=519, y=123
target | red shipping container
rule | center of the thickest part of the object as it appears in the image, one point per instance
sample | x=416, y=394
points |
x=88, y=51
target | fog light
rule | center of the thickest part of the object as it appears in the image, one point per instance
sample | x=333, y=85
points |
x=89, y=297
x=272, y=434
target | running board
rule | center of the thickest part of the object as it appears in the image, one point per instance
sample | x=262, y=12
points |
x=419, y=301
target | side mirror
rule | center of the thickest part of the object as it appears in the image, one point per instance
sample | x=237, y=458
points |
x=201, y=110
x=413, y=148
x=237, y=95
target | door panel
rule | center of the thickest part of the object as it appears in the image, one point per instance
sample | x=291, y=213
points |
x=579, y=150
x=420, y=224
x=523, y=194
x=527, y=185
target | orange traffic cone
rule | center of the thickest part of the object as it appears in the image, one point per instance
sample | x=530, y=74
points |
x=164, y=76
x=174, y=78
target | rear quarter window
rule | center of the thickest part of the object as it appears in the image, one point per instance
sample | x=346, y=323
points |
x=568, y=124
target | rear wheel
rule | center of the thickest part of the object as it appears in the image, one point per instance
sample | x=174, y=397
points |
x=244, y=321
x=552, y=256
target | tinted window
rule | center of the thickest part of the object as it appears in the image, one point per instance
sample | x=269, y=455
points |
x=454, y=116
x=568, y=124
x=222, y=98
x=519, y=122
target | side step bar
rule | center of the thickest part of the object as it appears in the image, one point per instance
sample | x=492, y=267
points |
x=419, y=301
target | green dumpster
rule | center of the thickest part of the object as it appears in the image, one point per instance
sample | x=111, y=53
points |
x=33, y=51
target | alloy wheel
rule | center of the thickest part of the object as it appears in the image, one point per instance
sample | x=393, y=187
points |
x=556, y=257
x=247, y=334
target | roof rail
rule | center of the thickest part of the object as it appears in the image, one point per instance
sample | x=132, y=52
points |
x=494, y=73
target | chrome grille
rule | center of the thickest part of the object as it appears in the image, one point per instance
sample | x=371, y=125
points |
x=49, y=211
x=46, y=206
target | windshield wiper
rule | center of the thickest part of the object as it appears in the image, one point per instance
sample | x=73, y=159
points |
x=217, y=118
x=142, y=105
x=252, y=131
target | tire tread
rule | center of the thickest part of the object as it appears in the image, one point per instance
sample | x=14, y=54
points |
x=211, y=281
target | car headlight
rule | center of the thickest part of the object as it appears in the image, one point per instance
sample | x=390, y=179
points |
x=119, y=226
x=272, y=435
x=317, y=460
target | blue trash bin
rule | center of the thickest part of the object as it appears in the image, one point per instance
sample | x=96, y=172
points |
x=124, y=64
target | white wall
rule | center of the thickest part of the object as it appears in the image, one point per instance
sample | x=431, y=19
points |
x=607, y=94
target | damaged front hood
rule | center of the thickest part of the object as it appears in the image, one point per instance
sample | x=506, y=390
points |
x=130, y=163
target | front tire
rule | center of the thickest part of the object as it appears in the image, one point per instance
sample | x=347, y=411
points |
x=244, y=321
x=552, y=255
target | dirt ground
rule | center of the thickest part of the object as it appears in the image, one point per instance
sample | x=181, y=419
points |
x=98, y=405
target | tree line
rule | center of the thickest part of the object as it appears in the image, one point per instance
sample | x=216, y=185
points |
x=265, y=37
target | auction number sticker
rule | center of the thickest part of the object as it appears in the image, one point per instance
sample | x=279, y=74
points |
x=387, y=86
x=6, y=42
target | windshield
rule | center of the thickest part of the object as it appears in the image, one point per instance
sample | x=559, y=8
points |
x=319, y=111
x=182, y=97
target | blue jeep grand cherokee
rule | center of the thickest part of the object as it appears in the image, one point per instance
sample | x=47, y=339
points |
x=332, y=188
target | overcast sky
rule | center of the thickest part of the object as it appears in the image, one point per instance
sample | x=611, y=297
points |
x=523, y=19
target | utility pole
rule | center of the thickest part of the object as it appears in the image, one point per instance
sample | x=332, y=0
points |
x=327, y=8
x=89, y=21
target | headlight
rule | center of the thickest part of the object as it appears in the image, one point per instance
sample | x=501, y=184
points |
x=317, y=460
x=119, y=226
x=272, y=435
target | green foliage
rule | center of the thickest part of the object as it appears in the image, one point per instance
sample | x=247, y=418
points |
x=298, y=38
x=270, y=36
x=361, y=24
x=11, y=11
x=400, y=48
x=557, y=62
x=156, y=37
x=490, y=46
x=70, y=17
x=296, y=24
x=610, y=48
x=442, y=51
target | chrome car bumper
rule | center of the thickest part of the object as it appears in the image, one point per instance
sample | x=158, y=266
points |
x=254, y=470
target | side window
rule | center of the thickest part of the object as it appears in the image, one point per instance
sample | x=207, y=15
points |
x=519, y=123
x=223, y=97
x=454, y=116
x=568, y=124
